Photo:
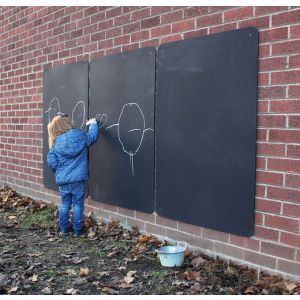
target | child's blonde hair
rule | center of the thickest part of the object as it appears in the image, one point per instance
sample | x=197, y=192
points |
x=57, y=126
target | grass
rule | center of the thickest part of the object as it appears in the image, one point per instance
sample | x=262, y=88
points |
x=96, y=251
x=120, y=245
x=43, y=217
x=159, y=275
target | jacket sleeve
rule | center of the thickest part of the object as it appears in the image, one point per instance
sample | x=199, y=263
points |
x=92, y=135
x=52, y=160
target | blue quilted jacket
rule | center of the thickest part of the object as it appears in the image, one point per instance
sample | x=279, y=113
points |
x=68, y=158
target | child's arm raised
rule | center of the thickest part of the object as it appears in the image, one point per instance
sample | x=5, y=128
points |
x=92, y=134
x=52, y=160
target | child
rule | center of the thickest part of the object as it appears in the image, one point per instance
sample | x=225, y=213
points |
x=68, y=159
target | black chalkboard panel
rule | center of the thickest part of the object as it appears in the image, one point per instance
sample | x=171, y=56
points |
x=122, y=161
x=206, y=130
x=65, y=91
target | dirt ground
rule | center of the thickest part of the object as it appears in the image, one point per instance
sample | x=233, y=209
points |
x=35, y=259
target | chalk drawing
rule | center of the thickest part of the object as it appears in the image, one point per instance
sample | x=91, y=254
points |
x=83, y=115
x=52, y=108
x=126, y=109
x=99, y=119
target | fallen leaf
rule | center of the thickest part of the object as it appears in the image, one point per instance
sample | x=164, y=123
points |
x=102, y=274
x=290, y=286
x=33, y=278
x=84, y=271
x=77, y=260
x=111, y=254
x=71, y=291
x=124, y=285
x=144, y=238
x=12, y=290
x=249, y=290
x=36, y=254
x=46, y=291
x=187, y=253
x=192, y=275
x=197, y=261
x=109, y=290
x=11, y=217
x=179, y=283
x=130, y=276
x=70, y=272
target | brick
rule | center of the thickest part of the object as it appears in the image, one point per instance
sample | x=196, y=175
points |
x=260, y=190
x=130, y=47
x=287, y=165
x=150, y=22
x=132, y=27
x=145, y=217
x=221, y=28
x=292, y=180
x=284, y=194
x=109, y=207
x=293, y=151
x=209, y=20
x=195, y=11
x=183, y=26
x=166, y=222
x=272, y=35
x=192, y=229
x=269, y=121
x=176, y=235
x=264, y=10
x=244, y=242
x=285, y=136
x=286, y=224
x=121, y=40
x=267, y=206
x=125, y=211
x=263, y=78
x=140, y=14
x=277, y=250
x=289, y=267
x=290, y=239
x=172, y=38
x=238, y=13
x=261, y=22
x=195, y=33
x=288, y=47
x=260, y=259
x=113, y=12
x=139, y=36
x=294, y=61
x=124, y=19
x=294, y=91
x=261, y=135
x=156, y=229
x=155, y=10
x=285, y=106
x=286, y=18
x=273, y=63
x=133, y=222
x=294, y=122
x=266, y=233
x=295, y=32
x=161, y=31
x=172, y=17
x=260, y=163
x=270, y=149
x=291, y=210
x=229, y=250
x=215, y=235
x=201, y=242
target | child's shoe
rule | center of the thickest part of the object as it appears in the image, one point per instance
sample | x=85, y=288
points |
x=79, y=233
x=64, y=233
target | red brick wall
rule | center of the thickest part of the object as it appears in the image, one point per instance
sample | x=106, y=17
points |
x=32, y=38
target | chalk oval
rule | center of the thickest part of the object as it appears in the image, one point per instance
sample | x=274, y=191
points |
x=131, y=128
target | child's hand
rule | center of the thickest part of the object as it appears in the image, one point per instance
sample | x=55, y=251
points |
x=91, y=121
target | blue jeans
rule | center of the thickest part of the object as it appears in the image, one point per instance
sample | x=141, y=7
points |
x=72, y=193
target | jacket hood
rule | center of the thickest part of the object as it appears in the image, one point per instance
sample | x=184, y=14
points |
x=71, y=143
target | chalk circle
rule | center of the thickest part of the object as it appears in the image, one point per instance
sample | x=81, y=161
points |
x=131, y=124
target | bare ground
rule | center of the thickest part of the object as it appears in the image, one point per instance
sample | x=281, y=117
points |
x=35, y=259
